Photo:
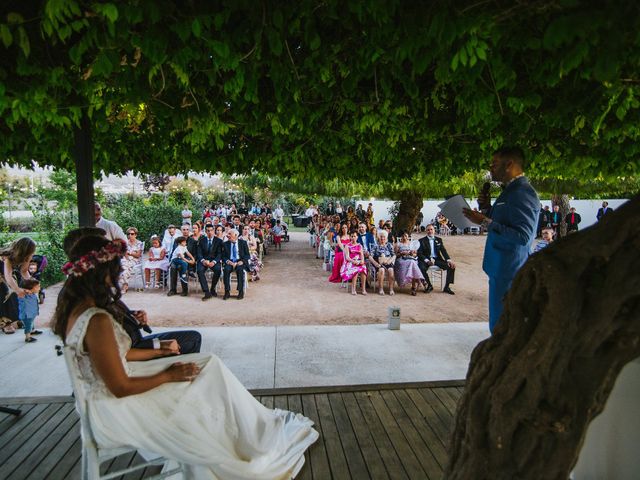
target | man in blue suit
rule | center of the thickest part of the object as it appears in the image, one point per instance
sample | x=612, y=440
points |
x=365, y=238
x=510, y=223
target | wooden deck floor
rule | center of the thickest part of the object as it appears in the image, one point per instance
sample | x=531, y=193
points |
x=375, y=431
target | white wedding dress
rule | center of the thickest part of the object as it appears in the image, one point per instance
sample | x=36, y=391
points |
x=213, y=425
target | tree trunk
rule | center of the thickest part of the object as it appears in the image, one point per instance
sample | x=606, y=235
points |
x=570, y=323
x=83, y=155
x=410, y=205
x=563, y=201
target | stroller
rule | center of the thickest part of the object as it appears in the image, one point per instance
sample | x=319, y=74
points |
x=41, y=262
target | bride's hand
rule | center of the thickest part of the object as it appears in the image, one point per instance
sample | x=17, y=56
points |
x=182, y=372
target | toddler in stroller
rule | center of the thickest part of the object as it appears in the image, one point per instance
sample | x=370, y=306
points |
x=36, y=267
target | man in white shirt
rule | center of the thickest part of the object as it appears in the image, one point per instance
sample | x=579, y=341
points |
x=186, y=215
x=111, y=228
x=309, y=211
x=170, y=235
x=278, y=213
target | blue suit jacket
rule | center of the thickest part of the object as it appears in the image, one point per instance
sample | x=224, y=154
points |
x=514, y=218
x=369, y=240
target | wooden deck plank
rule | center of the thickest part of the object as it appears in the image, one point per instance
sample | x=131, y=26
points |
x=383, y=433
x=446, y=399
x=335, y=453
x=21, y=441
x=402, y=447
x=430, y=415
x=19, y=423
x=267, y=401
x=441, y=410
x=423, y=427
x=319, y=461
x=61, y=452
x=372, y=457
x=21, y=464
x=426, y=458
x=295, y=405
x=350, y=446
x=389, y=456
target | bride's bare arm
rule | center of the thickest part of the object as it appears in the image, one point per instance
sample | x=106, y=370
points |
x=100, y=342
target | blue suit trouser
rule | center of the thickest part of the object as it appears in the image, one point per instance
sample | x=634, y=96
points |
x=498, y=288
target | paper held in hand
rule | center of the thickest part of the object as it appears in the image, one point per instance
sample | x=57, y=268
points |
x=452, y=209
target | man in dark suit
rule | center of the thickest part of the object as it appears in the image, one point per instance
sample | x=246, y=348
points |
x=510, y=223
x=192, y=246
x=151, y=346
x=209, y=257
x=572, y=220
x=330, y=210
x=365, y=238
x=603, y=211
x=556, y=220
x=235, y=256
x=432, y=252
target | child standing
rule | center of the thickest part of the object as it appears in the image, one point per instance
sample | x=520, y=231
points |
x=181, y=258
x=277, y=235
x=157, y=261
x=28, y=307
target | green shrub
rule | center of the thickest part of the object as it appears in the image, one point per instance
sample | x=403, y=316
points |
x=53, y=227
x=147, y=215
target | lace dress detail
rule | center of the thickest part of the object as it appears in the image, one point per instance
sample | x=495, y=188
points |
x=213, y=425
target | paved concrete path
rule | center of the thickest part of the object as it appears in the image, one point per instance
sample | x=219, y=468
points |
x=283, y=356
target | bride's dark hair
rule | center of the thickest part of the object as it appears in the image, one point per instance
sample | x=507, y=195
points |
x=99, y=284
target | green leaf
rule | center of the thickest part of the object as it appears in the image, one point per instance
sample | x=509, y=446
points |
x=102, y=65
x=481, y=53
x=454, y=62
x=5, y=34
x=621, y=112
x=315, y=42
x=14, y=17
x=275, y=44
x=473, y=60
x=23, y=41
x=463, y=57
x=196, y=28
x=277, y=19
x=110, y=11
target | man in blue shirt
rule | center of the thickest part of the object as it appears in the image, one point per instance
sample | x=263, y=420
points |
x=510, y=223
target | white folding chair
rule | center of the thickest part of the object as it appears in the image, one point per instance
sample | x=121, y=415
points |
x=92, y=455
x=435, y=272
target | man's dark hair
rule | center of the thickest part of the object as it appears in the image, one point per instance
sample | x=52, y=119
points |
x=76, y=234
x=511, y=153
x=208, y=226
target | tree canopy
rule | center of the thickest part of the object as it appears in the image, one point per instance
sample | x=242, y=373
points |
x=357, y=90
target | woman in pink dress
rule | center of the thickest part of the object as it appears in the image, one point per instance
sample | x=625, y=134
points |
x=341, y=239
x=354, y=265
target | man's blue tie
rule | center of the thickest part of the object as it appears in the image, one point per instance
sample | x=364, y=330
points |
x=233, y=252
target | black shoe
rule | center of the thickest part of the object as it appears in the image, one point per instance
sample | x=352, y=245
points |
x=185, y=293
x=226, y=295
x=171, y=293
x=449, y=291
x=213, y=293
x=206, y=297
x=192, y=275
x=240, y=295
x=428, y=288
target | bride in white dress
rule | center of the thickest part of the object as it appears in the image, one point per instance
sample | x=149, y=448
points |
x=194, y=411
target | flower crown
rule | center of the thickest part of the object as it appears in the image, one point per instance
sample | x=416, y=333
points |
x=114, y=249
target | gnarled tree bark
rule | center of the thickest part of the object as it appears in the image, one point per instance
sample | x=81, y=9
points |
x=410, y=205
x=570, y=323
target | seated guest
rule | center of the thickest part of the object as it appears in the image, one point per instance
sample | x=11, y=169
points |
x=151, y=346
x=365, y=239
x=341, y=239
x=156, y=261
x=260, y=235
x=169, y=238
x=209, y=258
x=254, y=263
x=220, y=232
x=406, y=268
x=383, y=260
x=432, y=252
x=213, y=426
x=236, y=223
x=572, y=220
x=353, y=265
x=132, y=260
x=192, y=247
x=180, y=260
x=235, y=256
x=547, y=238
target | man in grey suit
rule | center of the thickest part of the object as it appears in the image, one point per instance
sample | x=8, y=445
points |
x=510, y=223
